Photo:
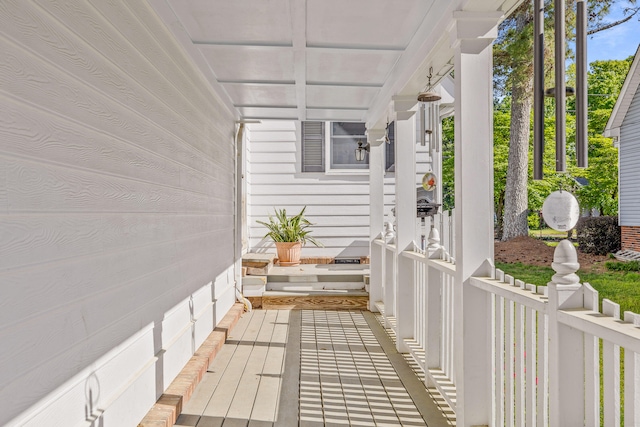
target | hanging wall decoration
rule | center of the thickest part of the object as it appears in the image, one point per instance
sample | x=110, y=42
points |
x=429, y=181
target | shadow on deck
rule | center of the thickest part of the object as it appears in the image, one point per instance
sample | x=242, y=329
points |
x=311, y=368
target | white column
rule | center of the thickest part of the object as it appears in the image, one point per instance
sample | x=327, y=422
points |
x=376, y=212
x=472, y=37
x=405, y=157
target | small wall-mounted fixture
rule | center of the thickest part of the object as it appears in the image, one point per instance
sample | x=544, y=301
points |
x=361, y=151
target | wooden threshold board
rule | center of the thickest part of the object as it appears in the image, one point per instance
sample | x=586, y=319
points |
x=310, y=302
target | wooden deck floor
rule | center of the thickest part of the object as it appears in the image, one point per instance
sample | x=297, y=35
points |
x=310, y=368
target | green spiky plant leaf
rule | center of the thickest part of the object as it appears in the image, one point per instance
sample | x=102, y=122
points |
x=282, y=228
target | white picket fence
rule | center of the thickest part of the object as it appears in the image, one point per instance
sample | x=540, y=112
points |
x=545, y=341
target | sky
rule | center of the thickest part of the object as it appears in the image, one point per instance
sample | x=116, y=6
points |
x=616, y=43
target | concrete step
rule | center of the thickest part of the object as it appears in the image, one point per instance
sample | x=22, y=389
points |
x=315, y=278
x=307, y=293
x=306, y=273
x=314, y=286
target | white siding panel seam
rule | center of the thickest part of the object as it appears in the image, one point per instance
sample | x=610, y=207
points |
x=50, y=141
x=191, y=74
x=80, y=86
x=189, y=149
x=82, y=257
x=60, y=15
x=128, y=178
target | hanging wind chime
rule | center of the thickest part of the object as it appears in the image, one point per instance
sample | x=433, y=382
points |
x=559, y=92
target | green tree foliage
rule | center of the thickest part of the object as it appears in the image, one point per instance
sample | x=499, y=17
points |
x=513, y=57
x=605, y=82
x=448, y=162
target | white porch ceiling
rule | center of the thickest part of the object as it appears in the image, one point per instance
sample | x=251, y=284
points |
x=317, y=59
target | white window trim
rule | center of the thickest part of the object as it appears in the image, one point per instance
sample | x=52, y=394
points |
x=328, y=170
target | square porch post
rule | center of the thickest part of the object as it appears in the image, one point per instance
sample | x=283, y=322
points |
x=405, y=157
x=376, y=212
x=472, y=37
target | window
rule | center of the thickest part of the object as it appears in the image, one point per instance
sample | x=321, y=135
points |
x=338, y=146
x=342, y=145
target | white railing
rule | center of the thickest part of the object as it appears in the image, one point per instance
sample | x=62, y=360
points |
x=545, y=341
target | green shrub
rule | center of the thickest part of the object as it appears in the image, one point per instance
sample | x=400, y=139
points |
x=623, y=266
x=534, y=220
x=599, y=235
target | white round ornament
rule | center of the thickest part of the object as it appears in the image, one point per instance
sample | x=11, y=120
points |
x=561, y=211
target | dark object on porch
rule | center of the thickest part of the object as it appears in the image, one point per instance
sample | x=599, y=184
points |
x=425, y=205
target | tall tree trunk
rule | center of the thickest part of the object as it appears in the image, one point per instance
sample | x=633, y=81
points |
x=499, y=215
x=516, y=198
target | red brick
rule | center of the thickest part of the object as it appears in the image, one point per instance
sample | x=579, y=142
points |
x=166, y=410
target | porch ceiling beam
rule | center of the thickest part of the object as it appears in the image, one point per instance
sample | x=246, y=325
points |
x=166, y=13
x=430, y=41
x=299, y=22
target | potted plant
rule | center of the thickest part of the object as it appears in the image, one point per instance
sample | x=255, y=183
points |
x=289, y=234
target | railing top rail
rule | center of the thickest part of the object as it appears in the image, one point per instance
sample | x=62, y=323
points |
x=611, y=329
x=524, y=294
x=442, y=265
x=380, y=242
x=414, y=255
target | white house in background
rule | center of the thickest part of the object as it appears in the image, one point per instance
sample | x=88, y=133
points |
x=624, y=128
x=122, y=173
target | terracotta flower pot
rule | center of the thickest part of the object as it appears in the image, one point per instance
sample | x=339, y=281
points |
x=288, y=253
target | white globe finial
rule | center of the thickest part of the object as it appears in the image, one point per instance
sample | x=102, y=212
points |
x=565, y=264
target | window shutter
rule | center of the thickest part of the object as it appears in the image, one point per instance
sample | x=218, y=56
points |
x=312, y=146
x=390, y=148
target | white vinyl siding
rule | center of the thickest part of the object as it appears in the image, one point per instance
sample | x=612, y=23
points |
x=629, y=185
x=337, y=204
x=116, y=212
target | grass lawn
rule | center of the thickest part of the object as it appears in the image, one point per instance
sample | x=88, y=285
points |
x=620, y=287
x=548, y=233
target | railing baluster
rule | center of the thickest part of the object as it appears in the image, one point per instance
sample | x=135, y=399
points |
x=543, y=371
x=611, y=370
x=390, y=287
x=519, y=365
x=510, y=371
x=500, y=359
x=530, y=360
x=592, y=364
x=631, y=379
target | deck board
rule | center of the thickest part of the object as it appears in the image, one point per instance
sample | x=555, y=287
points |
x=310, y=368
x=226, y=389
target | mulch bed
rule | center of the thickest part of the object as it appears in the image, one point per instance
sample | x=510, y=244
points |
x=528, y=250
